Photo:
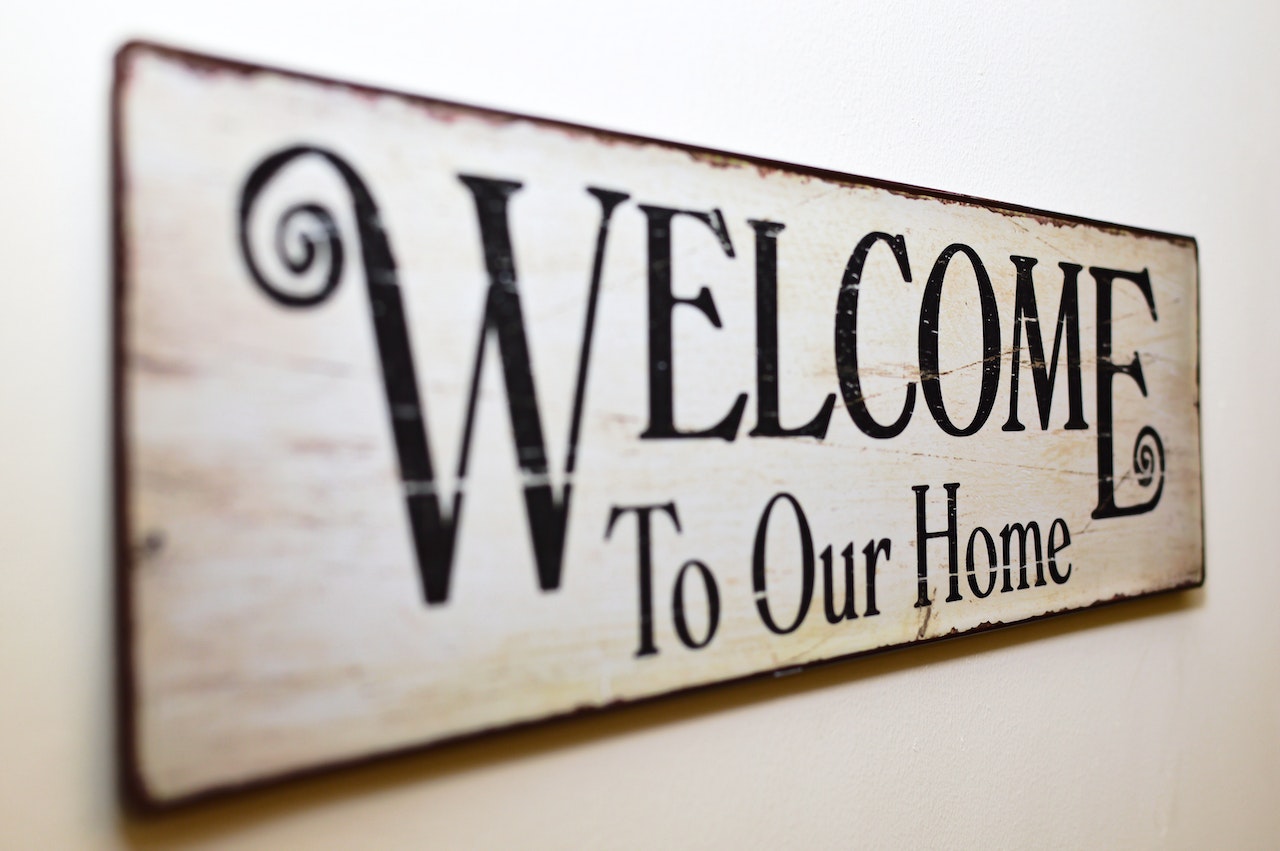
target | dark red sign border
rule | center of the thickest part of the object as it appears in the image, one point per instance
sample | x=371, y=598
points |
x=134, y=793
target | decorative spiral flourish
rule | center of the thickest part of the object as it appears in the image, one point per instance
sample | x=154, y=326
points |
x=1148, y=459
x=300, y=229
x=308, y=233
x=308, y=244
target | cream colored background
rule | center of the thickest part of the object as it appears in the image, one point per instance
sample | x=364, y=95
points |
x=278, y=624
x=1153, y=724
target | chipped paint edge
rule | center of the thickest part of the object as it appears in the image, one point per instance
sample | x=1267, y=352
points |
x=134, y=794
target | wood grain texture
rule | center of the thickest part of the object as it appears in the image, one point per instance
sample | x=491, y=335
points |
x=276, y=607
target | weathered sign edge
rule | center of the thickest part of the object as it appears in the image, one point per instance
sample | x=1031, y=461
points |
x=134, y=793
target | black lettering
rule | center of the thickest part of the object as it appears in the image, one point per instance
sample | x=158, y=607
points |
x=930, y=309
x=1006, y=535
x=433, y=528
x=922, y=540
x=1025, y=312
x=1055, y=548
x=644, y=560
x=713, y=605
x=849, y=610
x=1148, y=450
x=768, y=423
x=661, y=303
x=847, y=339
x=504, y=319
x=871, y=552
x=806, y=566
x=981, y=593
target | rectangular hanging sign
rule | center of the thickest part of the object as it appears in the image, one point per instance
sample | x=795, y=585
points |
x=434, y=420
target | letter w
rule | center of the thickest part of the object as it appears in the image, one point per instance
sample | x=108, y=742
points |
x=435, y=531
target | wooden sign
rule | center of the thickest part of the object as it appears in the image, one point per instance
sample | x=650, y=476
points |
x=435, y=420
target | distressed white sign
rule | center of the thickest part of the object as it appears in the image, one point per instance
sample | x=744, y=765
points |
x=434, y=420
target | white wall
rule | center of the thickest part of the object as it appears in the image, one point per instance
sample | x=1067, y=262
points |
x=1148, y=725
